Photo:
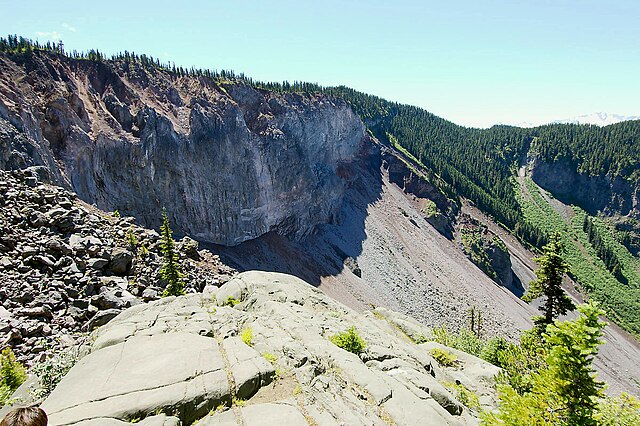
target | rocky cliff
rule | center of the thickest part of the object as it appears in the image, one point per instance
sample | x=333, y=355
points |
x=229, y=162
x=610, y=195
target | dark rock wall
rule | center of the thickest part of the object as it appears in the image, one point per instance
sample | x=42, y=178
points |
x=592, y=193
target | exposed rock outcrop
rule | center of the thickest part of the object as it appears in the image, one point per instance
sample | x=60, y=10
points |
x=190, y=364
x=486, y=250
x=593, y=193
x=228, y=161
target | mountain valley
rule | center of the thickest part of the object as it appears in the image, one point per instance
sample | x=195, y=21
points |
x=398, y=217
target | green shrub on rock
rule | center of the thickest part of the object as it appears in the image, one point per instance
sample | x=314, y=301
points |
x=247, y=336
x=52, y=370
x=12, y=374
x=444, y=358
x=465, y=396
x=231, y=301
x=349, y=340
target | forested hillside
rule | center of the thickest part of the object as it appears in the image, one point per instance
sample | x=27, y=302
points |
x=482, y=166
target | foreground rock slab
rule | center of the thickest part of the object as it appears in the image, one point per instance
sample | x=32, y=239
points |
x=183, y=357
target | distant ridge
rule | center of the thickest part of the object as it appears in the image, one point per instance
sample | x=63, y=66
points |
x=596, y=118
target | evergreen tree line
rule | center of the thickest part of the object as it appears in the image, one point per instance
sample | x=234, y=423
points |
x=603, y=251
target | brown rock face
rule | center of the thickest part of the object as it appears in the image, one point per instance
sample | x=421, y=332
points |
x=227, y=161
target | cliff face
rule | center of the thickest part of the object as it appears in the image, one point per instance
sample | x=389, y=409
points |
x=228, y=162
x=593, y=193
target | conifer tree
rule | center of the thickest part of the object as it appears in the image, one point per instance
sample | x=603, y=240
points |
x=573, y=345
x=549, y=283
x=565, y=392
x=170, y=271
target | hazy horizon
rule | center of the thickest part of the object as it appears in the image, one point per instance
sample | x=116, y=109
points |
x=474, y=64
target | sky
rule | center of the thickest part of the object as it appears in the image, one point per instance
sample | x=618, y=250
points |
x=474, y=62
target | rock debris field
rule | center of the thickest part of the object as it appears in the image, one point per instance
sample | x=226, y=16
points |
x=66, y=267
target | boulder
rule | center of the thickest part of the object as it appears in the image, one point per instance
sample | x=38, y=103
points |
x=175, y=371
x=121, y=262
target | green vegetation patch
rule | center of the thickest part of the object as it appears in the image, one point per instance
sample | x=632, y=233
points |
x=473, y=244
x=444, y=357
x=349, y=340
x=585, y=266
x=12, y=374
x=465, y=396
x=231, y=301
x=247, y=336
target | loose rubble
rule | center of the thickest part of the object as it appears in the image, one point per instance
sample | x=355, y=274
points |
x=67, y=267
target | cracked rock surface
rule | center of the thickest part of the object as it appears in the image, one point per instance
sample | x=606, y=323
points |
x=190, y=358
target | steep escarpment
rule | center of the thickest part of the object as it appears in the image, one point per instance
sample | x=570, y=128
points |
x=612, y=195
x=228, y=161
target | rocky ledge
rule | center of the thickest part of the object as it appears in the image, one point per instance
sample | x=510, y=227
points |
x=257, y=350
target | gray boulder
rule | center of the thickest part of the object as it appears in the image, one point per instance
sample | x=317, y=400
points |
x=121, y=262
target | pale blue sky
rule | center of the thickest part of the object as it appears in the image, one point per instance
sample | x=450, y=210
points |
x=474, y=62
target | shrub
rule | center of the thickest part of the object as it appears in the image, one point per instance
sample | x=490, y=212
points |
x=12, y=374
x=349, y=340
x=51, y=371
x=464, y=340
x=520, y=362
x=231, y=301
x=493, y=350
x=444, y=358
x=247, y=336
x=270, y=357
x=132, y=240
x=623, y=410
x=465, y=396
x=237, y=402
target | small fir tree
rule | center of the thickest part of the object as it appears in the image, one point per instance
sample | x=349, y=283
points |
x=549, y=284
x=170, y=271
x=565, y=392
